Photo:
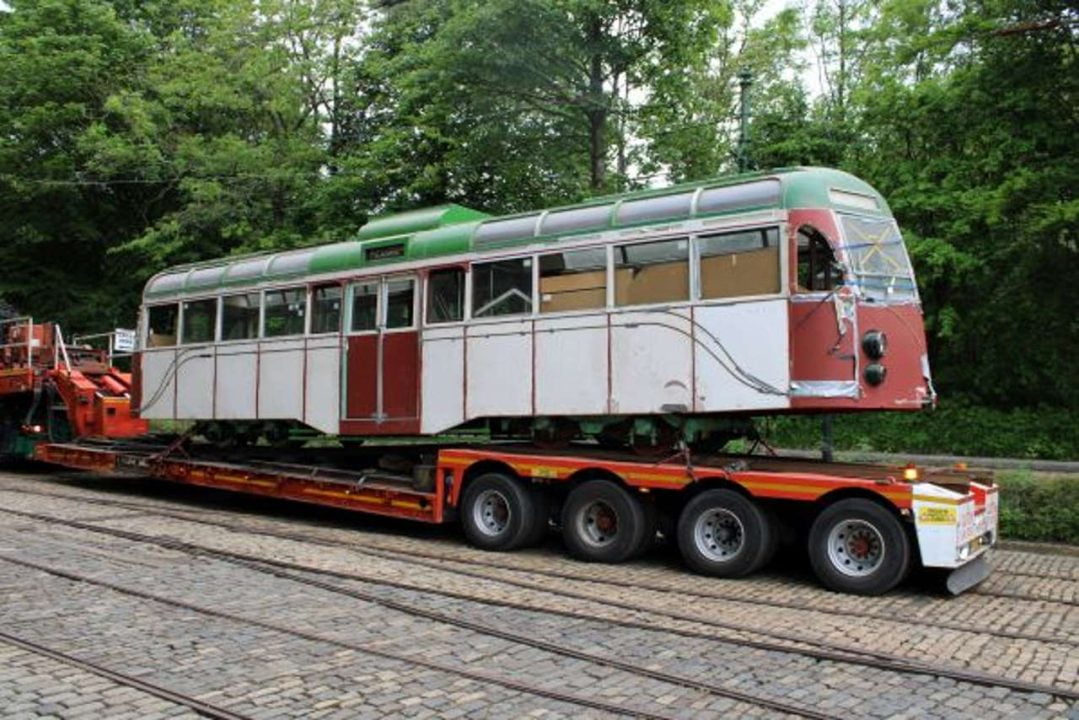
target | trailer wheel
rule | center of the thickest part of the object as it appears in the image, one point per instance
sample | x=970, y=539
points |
x=725, y=534
x=857, y=546
x=497, y=512
x=602, y=522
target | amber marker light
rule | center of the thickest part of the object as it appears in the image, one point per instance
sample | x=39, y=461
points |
x=910, y=473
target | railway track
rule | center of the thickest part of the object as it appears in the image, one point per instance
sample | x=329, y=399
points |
x=262, y=566
x=438, y=560
x=817, y=650
x=199, y=706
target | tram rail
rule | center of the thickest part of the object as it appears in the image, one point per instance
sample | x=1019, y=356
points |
x=817, y=649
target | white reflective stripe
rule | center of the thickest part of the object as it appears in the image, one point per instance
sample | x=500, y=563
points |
x=824, y=388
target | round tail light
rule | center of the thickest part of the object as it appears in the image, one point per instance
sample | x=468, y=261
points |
x=875, y=374
x=875, y=344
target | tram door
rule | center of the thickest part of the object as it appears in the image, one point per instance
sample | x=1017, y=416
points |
x=382, y=376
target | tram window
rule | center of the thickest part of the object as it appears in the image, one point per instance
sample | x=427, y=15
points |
x=399, y=303
x=200, y=320
x=817, y=266
x=240, y=317
x=285, y=312
x=736, y=264
x=575, y=280
x=651, y=272
x=364, y=306
x=326, y=309
x=162, y=325
x=503, y=287
x=445, y=296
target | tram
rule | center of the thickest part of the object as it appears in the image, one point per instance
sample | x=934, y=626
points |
x=637, y=319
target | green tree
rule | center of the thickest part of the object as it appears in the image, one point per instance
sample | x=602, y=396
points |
x=61, y=61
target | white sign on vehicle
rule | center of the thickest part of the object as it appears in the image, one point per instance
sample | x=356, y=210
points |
x=123, y=341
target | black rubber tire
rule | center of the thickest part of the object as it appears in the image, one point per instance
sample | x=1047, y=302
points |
x=541, y=511
x=630, y=518
x=758, y=534
x=651, y=524
x=773, y=538
x=894, y=565
x=519, y=501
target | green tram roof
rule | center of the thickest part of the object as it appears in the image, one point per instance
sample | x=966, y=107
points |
x=452, y=229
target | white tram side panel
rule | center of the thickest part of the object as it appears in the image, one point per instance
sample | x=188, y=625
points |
x=322, y=387
x=237, y=374
x=280, y=379
x=742, y=356
x=499, y=368
x=195, y=376
x=442, y=385
x=651, y=361
x=571, y=365
x=158, y=389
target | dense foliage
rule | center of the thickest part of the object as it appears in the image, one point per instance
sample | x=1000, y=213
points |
x=140, y=134
x=1039, y=507
x=955, y=428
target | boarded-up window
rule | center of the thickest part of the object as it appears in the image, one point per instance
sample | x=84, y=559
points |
x=575, y=280
x=285, y=312
x=200, y=321
x=445, y=296
x=326, y=309
x=740, y=263
x=240, y=317
x=502, y=288
x=653, y=272
x=162, y=321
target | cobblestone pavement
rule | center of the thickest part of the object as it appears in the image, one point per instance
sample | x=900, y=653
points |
x=268, y=646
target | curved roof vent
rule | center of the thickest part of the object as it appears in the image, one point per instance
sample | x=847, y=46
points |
x=416, y=220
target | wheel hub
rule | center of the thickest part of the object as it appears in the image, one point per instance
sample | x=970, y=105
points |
x=491, y=512
x=599, y=523
x=719, y=534
x=855, y=548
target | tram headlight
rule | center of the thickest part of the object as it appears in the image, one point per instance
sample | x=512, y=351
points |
x=875, y=374
x=875, y=344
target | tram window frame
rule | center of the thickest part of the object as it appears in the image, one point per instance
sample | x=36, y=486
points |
x=187, y=315
x=318, y=312
x=389, y=322
x=375, y=285
x=623, y=262
x=527, y=294
x=459, y=290
x=754, y=245
x=571, y=295
x=225, y=321
x=173, y=339
x=809, y=257
x=288, y=330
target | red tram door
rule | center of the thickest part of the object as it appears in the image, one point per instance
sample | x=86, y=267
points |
x=383, y=362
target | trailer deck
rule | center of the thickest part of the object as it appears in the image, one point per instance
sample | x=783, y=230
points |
x=951, y=514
